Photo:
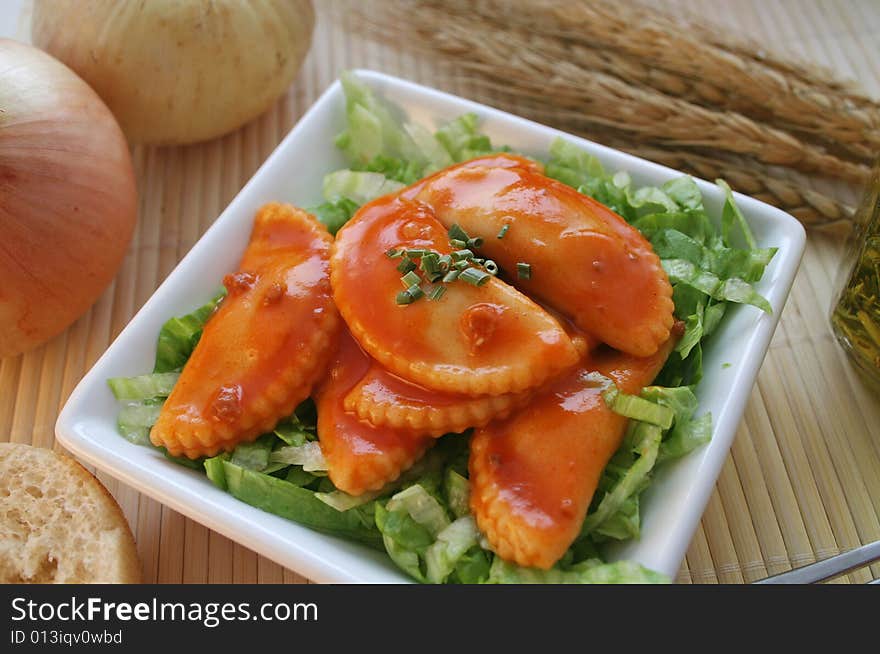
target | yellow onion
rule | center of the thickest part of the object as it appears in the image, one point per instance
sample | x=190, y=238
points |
x=179, y=71
x=68, y=202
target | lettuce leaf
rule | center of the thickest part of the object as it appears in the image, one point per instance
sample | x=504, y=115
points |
x=143, y=387
x=178, y=336
x=298, y=504
x=334, y=213
x=373, y=128
x=462, y=140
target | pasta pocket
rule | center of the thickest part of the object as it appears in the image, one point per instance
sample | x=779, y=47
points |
x=481, y=338
x=360, y=457
x=533, y=475
x=385, y=400
x=264, y=348
x=583, y=259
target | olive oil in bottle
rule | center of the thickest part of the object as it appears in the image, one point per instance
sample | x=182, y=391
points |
x=855, y=317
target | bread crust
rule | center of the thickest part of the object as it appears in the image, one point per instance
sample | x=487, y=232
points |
x=59, y=524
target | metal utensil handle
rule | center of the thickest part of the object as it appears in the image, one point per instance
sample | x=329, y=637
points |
x=831, y=567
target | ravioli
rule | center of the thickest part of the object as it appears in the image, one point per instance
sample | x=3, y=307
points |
x=584, y=260
x=385, y=400
x=360, y=457
x=474, y=340
x=264, y=348
x=533, y=475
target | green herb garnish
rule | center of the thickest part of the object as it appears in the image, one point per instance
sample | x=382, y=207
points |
x=406, y=265
x=458, y=234
x=410, y=278
x=410, y=295
x=474, y=276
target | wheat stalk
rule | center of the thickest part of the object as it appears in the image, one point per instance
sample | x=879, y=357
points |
x=816, y=77
x=695, y=64
x=516, y=65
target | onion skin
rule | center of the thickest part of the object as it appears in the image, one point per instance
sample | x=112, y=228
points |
x=68, y=201
x=179, y=71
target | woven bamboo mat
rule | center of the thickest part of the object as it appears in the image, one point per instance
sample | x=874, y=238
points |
x=802, y=481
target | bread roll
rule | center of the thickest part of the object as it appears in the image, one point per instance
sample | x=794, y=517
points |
x=58, y=524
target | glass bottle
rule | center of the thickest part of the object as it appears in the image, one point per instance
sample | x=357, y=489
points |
x=855, y=317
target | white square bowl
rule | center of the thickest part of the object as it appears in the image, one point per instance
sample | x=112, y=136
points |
x=671, y=507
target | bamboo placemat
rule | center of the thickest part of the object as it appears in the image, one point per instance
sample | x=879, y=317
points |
x=802, y=481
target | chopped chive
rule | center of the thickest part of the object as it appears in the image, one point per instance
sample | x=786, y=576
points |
x=524, y=270
x=457, y=243
x=474, y=242
x=417, y=253
x=491, y=267
x=444, y=262
x=462, y=255
x=461, y=265
x=503, y=231
x=429, y=263
x=436, y=293
x=415, y=291
x=457, y=233
x=451, y=276
x=434, y=276
x=406, y=265
x=474, y=276
x=410, y=295
x=409, y=279
x=394, y=253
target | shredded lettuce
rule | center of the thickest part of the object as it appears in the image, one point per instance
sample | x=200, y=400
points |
x=143, y=387
x=215, y=471
x=334, y=214
x=255, y=455
x=458, y=491
x=462, y=139
x=435, y=155
x=632, y=465
x=342, y=501
x=387, y=153
x=135, y=419
x=421, y=539
x=308, y=455
x=423, y=469
x=372, y=127
x=178, y=336
x=451, y=544
x=358, y=186
x=734, y=289
x=637, y=408
x=299, y=504
x=422, y=507
x=404, y=539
